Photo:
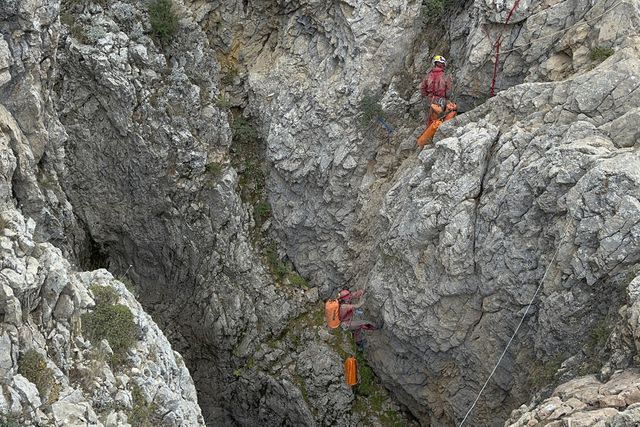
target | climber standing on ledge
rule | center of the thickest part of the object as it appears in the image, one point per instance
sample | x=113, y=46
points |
x=347, y=311
x=436, y=87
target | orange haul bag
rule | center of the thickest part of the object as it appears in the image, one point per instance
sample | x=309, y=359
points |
x=332, y=313
x=428, y=133
x=351, y=371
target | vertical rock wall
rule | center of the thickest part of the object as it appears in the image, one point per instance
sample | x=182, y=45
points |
x=148, y=172
x=451, y=245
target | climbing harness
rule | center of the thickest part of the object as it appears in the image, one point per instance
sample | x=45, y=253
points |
x=517, y=328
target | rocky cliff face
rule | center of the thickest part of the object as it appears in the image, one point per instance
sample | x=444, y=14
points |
x=77, y=348
x=463, y=234
x=68, y=357
x=149, y=175
x=146, y=156
x=495, y=203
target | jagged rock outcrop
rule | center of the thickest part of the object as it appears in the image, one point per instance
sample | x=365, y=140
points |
x=304, y=67
x=587, y=400
x=130, y=170
x=464, y=233
x=28, y=42
x=148, y=174
x=545, y=41
x=52, y=373
x=533, y=181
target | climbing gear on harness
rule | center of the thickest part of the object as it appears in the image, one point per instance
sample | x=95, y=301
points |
x=332, y=313
x=439, y=59
x=449, y=113
x=351, y=371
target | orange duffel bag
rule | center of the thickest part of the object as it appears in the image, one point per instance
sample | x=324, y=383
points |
x=428, y=133
x=332, y=313
x=351, y=371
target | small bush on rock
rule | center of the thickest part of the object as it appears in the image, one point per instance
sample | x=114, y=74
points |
x=33, y=366
x=8, y=420
x=104, y=294
x=370, y=108
x=366, y=385
x=599, y=54
x=262, y=211
x=214, y=169
x=298, y=281
x=110, y=321
x=141, y=414
x=243, y=131
x=164, y=21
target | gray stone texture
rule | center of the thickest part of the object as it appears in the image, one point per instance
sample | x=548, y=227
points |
x=107, y=138
x=450, y=245
x=144, y=127
x=82, y=387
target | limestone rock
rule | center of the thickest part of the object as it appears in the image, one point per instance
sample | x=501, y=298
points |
x=586, y=401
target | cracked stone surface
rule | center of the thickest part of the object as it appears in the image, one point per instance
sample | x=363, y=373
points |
x=462, y=234
x=531, y=183
x=613, y=400
x=145, y=127
x=111, y=139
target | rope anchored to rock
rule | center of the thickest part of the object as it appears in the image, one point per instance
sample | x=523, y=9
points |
x=517, y=328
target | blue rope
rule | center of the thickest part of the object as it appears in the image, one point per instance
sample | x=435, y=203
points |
x=385, y=125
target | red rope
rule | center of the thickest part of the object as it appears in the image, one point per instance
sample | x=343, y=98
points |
x=497, y=45
x=495, y=67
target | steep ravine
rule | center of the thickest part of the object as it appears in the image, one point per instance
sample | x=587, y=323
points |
x=153, y=174
x=261, y=158
x=451, y=246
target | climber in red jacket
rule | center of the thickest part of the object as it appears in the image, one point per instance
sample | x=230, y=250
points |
x=347, y=310
x=436, y=87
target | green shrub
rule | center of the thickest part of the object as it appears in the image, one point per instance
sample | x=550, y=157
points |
x=243, y=131
x=142, y=413
x=278, y=268
x=104, y=294
x=297, y=280
x=33, y=366
x=543, y=374
x=432, y=10
x=222, y=101
x=113, y=322
x=376, y=400
x=370, y=108
x=9, y=420
x=213, y=169
x=599, y=336
x=262, y=211
x=392, y=419
x=367, y=381
x=164, y=21
x=599, y=54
